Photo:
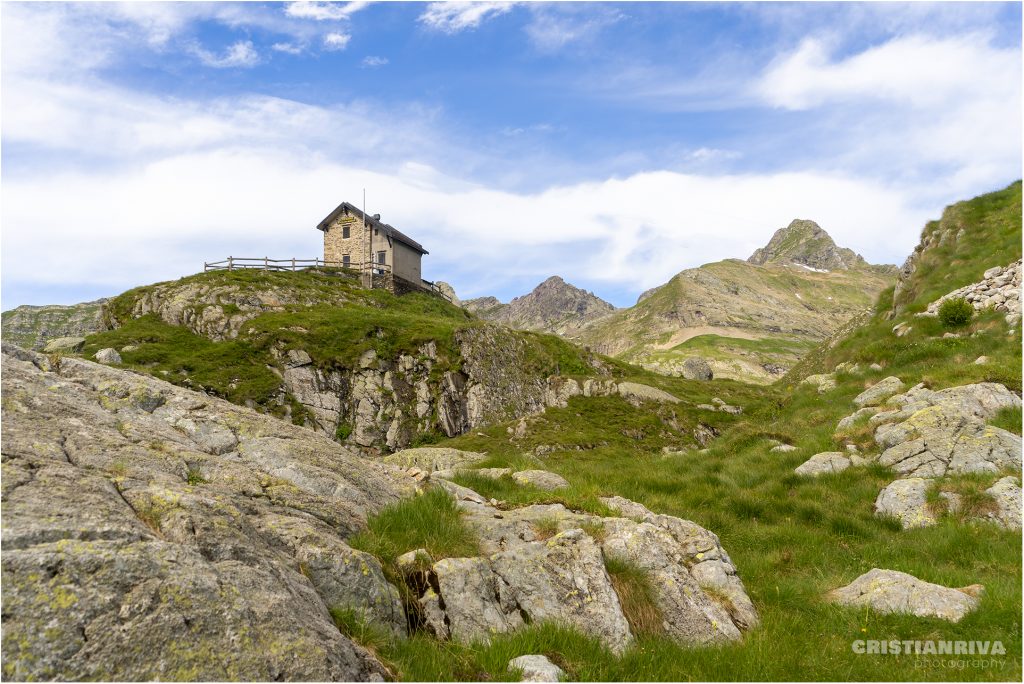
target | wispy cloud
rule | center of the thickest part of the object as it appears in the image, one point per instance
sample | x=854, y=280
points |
x=555, y=26
x=239, y=54
x=287, y=48
x=336, y=40
x=452, y=17
x=323, y=11
x=372, y=61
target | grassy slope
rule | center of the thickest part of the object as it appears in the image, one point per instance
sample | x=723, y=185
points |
x=793, y=539
x=740, y=296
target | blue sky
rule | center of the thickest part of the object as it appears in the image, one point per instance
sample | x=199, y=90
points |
x=614, y=144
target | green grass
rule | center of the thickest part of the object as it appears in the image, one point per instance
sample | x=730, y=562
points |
x=1008, y=419
x=635, y=589
x=429, y=521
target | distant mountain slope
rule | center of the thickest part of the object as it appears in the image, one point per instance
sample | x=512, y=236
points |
x=751, y=320
x=32, y=326
x=553, y=306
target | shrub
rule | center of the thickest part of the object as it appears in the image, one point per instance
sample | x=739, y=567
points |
x=955, y=312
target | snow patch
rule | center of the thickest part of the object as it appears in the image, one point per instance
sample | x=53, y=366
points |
x=811, y=268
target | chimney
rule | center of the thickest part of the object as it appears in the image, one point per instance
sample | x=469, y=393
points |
x=376, y=217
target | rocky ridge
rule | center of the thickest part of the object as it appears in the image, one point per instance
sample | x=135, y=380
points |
x=554, y=306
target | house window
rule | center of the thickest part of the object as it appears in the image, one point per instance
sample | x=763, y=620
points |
x=381, y=257
x=346, y=260
x=376, y=231
x=344, y=232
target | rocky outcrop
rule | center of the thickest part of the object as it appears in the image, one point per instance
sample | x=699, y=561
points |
x=806, y=244
x=933, y=433
x=545, y=562
x=541, y=479
x=907, y=501
x=823, y=382
x=999, y=288
x=1006, y=495
x=554, y=306
x=430, y=459
x=32, y=327
x=889, y=591
x=151, y=532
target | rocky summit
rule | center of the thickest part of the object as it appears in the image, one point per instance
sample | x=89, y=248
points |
x=287, y=476
x=554, y=306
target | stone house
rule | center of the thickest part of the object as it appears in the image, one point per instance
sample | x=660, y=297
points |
x=355, y=240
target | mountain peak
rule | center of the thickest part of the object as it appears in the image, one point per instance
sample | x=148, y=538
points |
x=807, y=244
x=553, y=306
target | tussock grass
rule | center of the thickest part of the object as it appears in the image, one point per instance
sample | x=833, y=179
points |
x=637, y=595
x=430, y=521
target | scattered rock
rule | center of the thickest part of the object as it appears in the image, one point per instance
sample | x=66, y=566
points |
x=1007, y=495
x=64, y=344
x=696, y=368
x=783, y=448
x=541, y=479
x=901, y=329
x=108, y=356
x=826, y=462
x=999, y=288
x=981, y=360
x=906, y=500
x=825, y=382
x=850, y=420
x=876, y=367
x=889, y=591
x=431, y=459
x=636, y=391
x=879, y=392
x=536, y=668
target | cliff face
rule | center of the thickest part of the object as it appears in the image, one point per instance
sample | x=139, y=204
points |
x=554, y=306
x=363, y=366
x=31, y=327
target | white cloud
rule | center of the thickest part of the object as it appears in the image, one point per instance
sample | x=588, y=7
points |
x=452, y=17
x=336, y=40
x=323, y=11
x=287, y=48
x=918, y=71
x=372, y=61
x=555, y=26
x=242, y=53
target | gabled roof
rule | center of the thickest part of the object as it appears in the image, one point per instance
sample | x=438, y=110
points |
x=389, y=231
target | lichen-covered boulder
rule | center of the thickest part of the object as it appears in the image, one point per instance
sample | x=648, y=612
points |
x=890, y=591
x=536, y=668
x=1006, y=493
x=906, y=500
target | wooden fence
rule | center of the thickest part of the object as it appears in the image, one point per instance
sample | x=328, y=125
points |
x=381, y=273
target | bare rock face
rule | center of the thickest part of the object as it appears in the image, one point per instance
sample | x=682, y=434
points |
x=889, y=591
x=33, y=327
x=150, y=532
x=432, y=459
x=697, y=368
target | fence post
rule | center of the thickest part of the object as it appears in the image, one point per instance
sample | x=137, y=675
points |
x=293, y=263
x=231, y=263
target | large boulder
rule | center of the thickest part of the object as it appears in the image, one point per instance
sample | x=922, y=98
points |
x=151, y=532
x=636, y=392
x=64, y=344
x=890, y=591
x=108, y=356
